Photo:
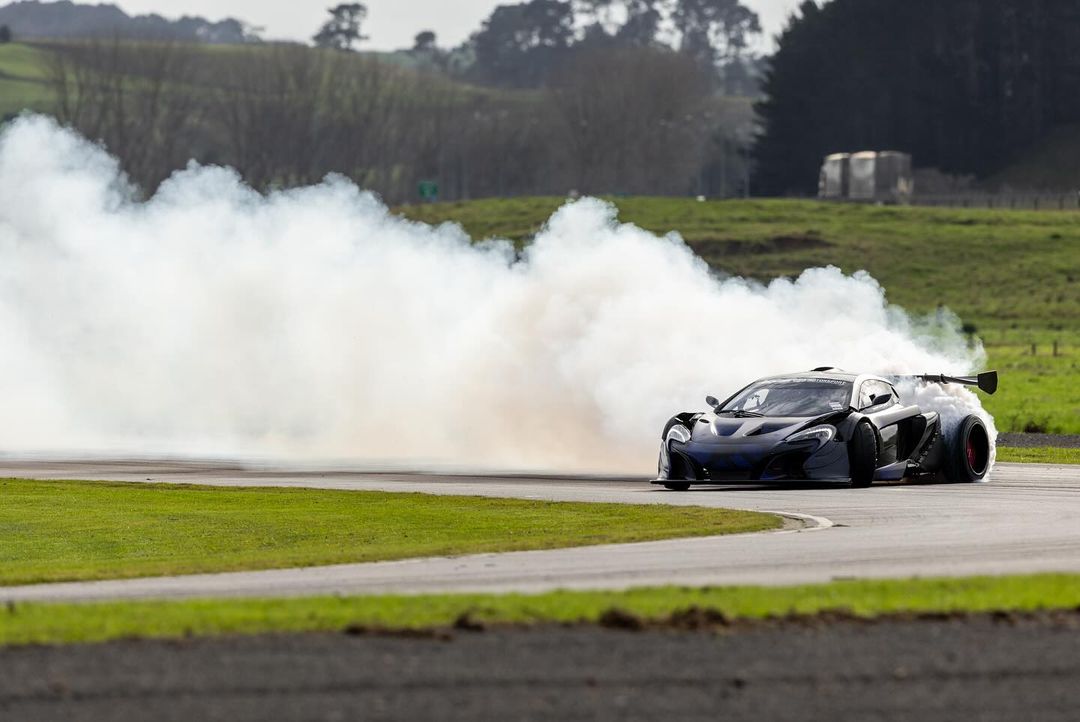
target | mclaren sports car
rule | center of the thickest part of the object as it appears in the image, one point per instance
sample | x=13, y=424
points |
x=824, y=425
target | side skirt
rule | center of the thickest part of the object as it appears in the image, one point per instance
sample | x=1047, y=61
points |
x=892, y=472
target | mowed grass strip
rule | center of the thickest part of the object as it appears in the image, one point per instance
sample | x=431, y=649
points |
x=72, y=530
x=1039, y=455
x=73, y=623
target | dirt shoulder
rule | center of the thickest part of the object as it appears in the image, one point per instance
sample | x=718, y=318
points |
x=990, y=667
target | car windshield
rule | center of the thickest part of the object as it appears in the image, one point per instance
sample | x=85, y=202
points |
x=792, y=397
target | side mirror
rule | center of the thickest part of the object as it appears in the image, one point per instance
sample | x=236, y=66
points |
x=879, y=399
x=712, y=402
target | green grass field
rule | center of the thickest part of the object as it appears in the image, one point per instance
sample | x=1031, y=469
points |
x=1039, y=393
x=67, y=623
x=1013, y=275
x=63, y=531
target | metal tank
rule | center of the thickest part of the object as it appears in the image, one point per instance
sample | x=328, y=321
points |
x=894, y=179
x=833, y=183
x=863, y=176
x=868, y=176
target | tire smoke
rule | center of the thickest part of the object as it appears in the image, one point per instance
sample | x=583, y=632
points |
x=312, y=324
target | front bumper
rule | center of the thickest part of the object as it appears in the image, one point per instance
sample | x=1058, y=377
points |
x=761, y=462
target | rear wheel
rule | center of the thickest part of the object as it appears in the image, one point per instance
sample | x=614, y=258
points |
x=863, y=455
x=677, y=487
x=967, y=451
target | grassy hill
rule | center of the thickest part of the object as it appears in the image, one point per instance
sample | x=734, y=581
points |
x=1014, y=276
x=23, y=79
x=24, y=71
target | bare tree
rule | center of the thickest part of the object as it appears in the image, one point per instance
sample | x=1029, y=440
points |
x=632, y=120
x=269, y=104
x=372, y=123
x=618, y=119
x=135, y=98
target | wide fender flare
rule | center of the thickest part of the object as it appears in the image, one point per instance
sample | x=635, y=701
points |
x=846, y=426
x=687, y=419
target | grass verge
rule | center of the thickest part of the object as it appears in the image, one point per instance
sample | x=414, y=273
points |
x=68, y=623
x=71, y=530
x=1039, y=456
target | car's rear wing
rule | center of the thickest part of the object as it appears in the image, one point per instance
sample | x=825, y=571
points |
x=987, y=382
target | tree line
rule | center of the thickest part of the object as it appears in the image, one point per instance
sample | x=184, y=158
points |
x=522, y=45
x=622, y=119
x=966, y=86
x=32, y=19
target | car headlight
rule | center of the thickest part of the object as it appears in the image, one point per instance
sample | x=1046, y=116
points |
x=821, y=434
x=679, y=433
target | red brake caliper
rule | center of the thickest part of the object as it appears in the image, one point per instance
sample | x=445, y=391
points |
x=971, y=454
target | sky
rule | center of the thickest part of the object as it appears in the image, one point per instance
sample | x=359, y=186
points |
x=392, y=24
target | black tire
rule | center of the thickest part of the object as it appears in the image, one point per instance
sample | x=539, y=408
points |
x=677, y=487
x=967, y=452
x=863, y=455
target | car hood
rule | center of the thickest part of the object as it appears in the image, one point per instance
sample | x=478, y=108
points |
x=722, y=430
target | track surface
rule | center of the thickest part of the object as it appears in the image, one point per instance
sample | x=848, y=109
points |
x=960, y=670
x=1027, y=519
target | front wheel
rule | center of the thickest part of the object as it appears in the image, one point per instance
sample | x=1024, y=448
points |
x=863, y=455
x=967, y=451
x=677, y=487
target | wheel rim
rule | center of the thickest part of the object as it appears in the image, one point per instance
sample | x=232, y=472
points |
x=977, y=451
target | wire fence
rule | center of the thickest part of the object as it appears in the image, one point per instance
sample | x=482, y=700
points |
x=1007, y=201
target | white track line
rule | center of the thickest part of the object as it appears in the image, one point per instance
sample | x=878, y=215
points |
x=813, y=523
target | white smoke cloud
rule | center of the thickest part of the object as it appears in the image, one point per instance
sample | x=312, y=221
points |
x=953, y=402
x=313, y=324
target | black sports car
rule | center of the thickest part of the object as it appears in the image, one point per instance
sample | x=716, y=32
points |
x=825, y=425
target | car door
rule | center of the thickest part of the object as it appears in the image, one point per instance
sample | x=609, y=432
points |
x=884, y=415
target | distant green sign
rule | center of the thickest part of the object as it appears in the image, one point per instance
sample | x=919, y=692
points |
x=429, y=191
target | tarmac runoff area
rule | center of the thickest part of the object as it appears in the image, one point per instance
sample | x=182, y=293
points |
x=1026, y=519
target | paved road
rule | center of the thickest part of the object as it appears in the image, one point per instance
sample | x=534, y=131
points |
x=926, y=671
x=1027, y=519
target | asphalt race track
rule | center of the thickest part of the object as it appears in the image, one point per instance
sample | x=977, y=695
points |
x=1026, y=519
x=985, y=667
